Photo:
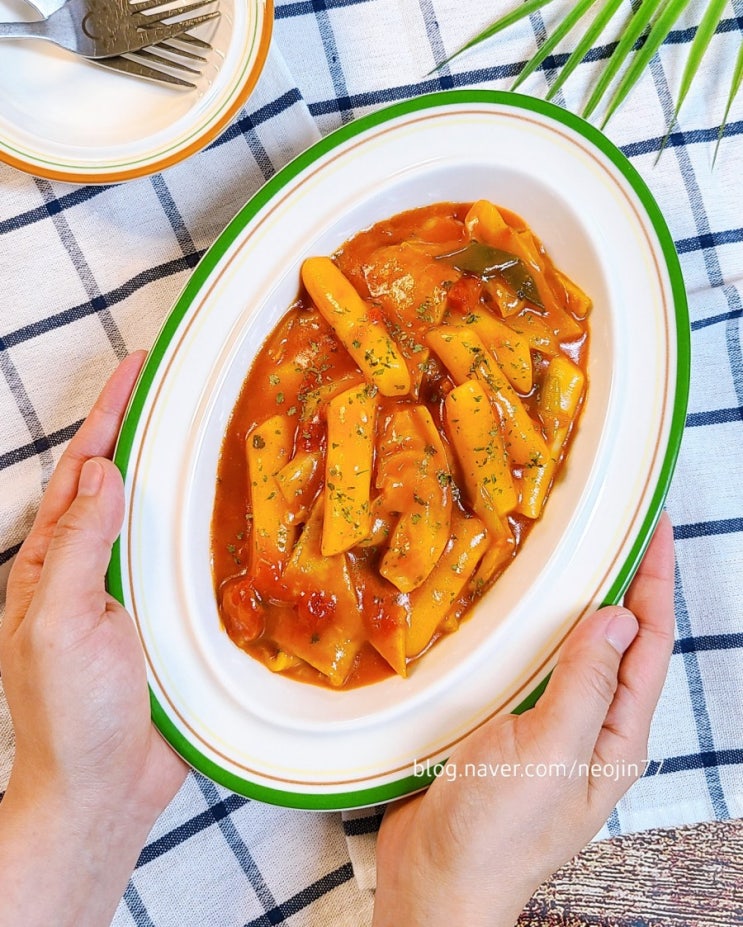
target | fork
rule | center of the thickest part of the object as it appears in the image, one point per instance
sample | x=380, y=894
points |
x=101, y=28
x=147, y=62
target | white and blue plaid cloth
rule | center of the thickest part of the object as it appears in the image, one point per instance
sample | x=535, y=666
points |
x=88, y=274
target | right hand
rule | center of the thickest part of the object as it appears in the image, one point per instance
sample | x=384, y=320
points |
x=472, y=850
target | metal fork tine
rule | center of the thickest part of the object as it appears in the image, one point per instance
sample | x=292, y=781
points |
x=142, y=70
x=160, y=32
x=149, y=55
x=146, y=5
x=181, y=10
x=144, y=19
x=184, y=53
x=193, y=40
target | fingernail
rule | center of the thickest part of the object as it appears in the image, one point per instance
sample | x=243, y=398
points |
x=621, y=630
x=91, y=477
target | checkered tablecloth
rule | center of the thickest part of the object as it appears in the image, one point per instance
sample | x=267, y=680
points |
x=88, y=274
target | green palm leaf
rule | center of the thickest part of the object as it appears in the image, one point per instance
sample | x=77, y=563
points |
x=503, y=23
x=734, y=88
x=652, y=19
x=707, y=28
x=635, y=28
x=585, y=44
x=708, y=25
x=573, y=17
x=656, y=37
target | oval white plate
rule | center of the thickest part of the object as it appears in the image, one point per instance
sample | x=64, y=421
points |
x=65, y=118
x=280, y=741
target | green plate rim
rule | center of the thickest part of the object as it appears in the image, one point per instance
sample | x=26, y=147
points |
x=334, y=801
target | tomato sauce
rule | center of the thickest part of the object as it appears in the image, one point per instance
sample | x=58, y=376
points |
x=336, y=620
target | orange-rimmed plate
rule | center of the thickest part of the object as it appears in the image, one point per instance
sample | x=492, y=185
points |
x=65, y=118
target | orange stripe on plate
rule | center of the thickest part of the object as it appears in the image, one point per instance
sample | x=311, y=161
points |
x=154, y=167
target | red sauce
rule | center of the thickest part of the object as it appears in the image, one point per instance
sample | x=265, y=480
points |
x=350, y=614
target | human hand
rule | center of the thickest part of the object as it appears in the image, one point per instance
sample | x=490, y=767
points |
x=473, y=850
x=88, y=760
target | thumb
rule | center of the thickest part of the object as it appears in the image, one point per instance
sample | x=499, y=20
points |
x=584, y=682
x=72, y=581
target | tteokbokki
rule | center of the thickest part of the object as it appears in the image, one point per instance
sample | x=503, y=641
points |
x=396, y=437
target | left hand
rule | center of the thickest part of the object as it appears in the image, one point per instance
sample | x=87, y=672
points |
x=71, y=661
